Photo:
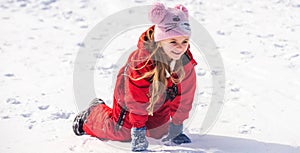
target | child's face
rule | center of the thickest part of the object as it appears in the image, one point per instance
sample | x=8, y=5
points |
x=175, y=47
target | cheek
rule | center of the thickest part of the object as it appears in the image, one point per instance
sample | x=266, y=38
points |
x=185, y=46
x=167, y=48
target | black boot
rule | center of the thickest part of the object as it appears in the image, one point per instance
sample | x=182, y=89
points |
x=95, y=102
x=82, y=116
x=79, y=121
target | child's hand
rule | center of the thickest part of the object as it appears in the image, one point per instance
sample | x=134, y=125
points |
x=175, y=136
x=139, y=141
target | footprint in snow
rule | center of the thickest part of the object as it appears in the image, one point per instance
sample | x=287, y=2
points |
x=293, y=56
x=43, y=107
x=26, y=115
x=245, y=52
x=246, y=129
x=235, y=89
x=9, y=75
x=13, y=101
x=201, y=72
x=31, y=124
x=60, y=115
x=5, y=117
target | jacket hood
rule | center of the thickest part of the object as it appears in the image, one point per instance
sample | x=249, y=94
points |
x=144, y=38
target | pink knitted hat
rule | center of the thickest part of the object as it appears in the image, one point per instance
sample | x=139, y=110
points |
x=169, y=22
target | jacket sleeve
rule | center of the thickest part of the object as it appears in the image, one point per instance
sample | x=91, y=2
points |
x=182, y=104
x=136, y=97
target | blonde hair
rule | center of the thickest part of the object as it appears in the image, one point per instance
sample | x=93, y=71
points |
x=158, y=74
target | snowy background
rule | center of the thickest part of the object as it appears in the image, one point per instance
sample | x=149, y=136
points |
x=258, y=40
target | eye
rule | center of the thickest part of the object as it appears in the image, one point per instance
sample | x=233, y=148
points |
x=184, y=42
x=173, y=42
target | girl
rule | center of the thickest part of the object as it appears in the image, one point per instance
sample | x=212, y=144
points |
x=155, y=89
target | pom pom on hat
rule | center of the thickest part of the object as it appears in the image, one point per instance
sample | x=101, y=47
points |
x=183, y=9
x=157, y=13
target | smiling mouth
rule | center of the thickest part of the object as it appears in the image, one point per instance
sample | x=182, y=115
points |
x=175, y=53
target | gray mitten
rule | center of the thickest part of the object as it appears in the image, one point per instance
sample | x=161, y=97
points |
x=175, y=135
x=139, y=141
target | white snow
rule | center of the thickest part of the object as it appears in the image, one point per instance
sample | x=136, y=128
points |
x=258, y=40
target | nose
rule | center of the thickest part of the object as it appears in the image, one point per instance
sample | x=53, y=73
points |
x=181, y=47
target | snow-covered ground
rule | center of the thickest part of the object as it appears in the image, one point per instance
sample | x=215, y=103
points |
x=258, y=40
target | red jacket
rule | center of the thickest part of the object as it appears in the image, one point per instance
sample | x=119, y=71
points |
x=134, y=95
